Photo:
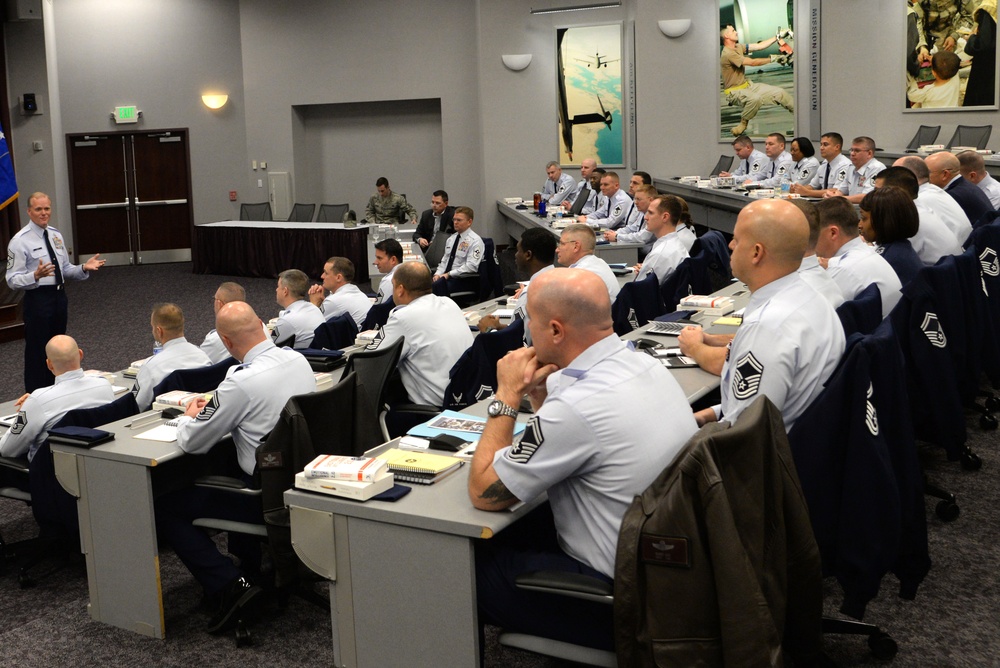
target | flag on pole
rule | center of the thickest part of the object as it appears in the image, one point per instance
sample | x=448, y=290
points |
x=8, y=184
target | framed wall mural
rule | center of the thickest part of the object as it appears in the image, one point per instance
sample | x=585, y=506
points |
x=951, y=54
x=589, y=74
x=756, y=68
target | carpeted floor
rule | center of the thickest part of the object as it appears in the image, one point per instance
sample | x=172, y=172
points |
x=954, y=621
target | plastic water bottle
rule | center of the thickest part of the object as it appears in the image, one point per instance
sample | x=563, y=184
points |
x=541, y=208
x=786, y=184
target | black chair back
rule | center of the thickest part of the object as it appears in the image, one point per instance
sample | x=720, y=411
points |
x=971, y=135
x=302, y=213
x=374, y=368
x=337, y=332
x=926, y=134
x=259, y=211
x=200, y=379
x=724, y=164
x=332, y=213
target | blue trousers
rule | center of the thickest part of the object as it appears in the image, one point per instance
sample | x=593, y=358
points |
x=45, y=313
x=530, y=545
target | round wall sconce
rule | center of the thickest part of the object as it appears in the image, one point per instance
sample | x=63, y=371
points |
x=215, y=101
x=674, y=27
x=516, y=62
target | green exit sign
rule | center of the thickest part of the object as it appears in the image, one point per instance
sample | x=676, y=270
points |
x=127, y=114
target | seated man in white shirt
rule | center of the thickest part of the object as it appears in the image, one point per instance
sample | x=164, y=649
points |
x=388, y=256
x=558, y=187
x=853, y=264
x=536, y=253
x=832, y=171
x=167, y=322
x=861, y=176
x=612, y=208
x=39, y=411
x=591, y=460
x=634, y=231
x=639, y=178
x=751, y=160
x=344, y=297
x=299, y=318
x=973, y=170
x=790, y=341
x=662, y=219
x=212, y=345
x=587, y=168
x=464, y=250
x=434, y=332
x=246, y=406
x=930, y=196
x=576, y=249
x=778, y=165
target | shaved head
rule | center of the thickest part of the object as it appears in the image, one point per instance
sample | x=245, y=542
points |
x=569, y=310
x=942, y=167
x=63, y=354
x=239, y=328
x=781, y=227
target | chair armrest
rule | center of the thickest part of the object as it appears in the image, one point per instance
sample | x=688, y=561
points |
x=19, y=464
x=573, y=585
x=225, y=483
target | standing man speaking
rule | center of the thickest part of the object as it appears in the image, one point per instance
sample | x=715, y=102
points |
x=38, y=263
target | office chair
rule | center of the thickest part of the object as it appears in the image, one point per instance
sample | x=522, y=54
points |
x=637, y=303
x=337, y=332
x=54, y=509
x=744, y=530
x=862, y=314
x=378, y=315
x=490, y=281
x=302, y=213
x=474, y=375
x=199, y=379
x=374, y=368
x=926, y=134
x=259, y=211
x=976, y=136
x=332, y=213
x=711, y=271
x=985, y=239
x=724, y=164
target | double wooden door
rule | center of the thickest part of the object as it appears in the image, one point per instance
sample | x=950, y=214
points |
x=131, y=196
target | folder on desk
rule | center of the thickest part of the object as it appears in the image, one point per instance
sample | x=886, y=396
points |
x=425, y=430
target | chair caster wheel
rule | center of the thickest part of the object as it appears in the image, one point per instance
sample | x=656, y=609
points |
x=882, y=645
x=988, y=422
x=947, y=510
x=971, y=461
x=243, y=637
x=993, y=404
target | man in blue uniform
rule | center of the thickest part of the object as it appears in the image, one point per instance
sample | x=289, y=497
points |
x=38, y=263
x=590, y=460
x=246, y=406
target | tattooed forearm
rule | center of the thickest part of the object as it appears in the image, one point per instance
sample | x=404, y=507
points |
x=497, y=493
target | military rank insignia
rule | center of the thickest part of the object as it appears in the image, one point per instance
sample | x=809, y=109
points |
x=530, y=442
x=746, y=380
x=209, y=410
x=932, y=329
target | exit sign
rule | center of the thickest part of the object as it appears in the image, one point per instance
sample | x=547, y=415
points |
x=127, y=114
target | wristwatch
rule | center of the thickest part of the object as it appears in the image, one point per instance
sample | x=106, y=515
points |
x=498, y=408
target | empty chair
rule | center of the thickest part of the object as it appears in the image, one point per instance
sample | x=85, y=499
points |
x=332, y=213
x=926, y=134
x=302, y=213
x=724, y=164
x=971, y=135
x=259, y=211
x=374, y=368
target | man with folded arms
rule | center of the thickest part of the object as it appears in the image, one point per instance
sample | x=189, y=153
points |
x=791, y=339
x=167, y=322
x=590, y=460
x=344, y=297
x=42, y=409
x=246, y=406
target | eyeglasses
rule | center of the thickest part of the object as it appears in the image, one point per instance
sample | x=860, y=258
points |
x=860, y=150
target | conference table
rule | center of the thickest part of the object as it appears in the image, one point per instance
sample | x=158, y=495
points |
x=264, y=249
x=519, y=220
x=402, y=574
x=716, y=208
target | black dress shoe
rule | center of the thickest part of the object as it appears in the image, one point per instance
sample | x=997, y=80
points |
x=238, y=596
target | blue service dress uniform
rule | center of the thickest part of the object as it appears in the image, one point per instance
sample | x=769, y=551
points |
x=592, y=461
x=246, y=405
x=788, y=345
x=45, y=306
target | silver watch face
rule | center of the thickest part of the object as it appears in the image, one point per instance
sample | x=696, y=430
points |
x=494, y=408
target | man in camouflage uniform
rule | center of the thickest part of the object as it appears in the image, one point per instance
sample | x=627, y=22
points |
x=944, y=21
x=388, y=208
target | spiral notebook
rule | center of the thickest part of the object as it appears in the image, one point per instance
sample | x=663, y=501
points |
x=422, y=468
